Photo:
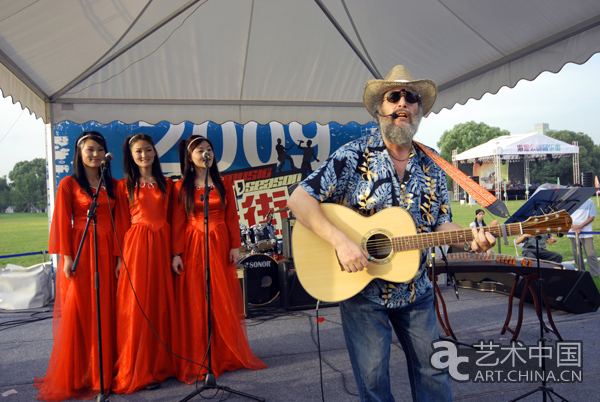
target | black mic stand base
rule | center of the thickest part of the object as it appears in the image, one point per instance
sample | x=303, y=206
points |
x=210, y=382
x=545, y=390
x=101, y=398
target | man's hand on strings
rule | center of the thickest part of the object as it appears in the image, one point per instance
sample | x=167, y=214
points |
x=482, y=240
x=351, y=256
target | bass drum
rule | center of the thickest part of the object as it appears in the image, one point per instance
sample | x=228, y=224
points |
x=262, y=279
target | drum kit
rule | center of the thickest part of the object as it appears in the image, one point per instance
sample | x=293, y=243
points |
x=260, y=252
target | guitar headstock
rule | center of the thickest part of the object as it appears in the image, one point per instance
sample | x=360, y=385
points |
x=556, y=222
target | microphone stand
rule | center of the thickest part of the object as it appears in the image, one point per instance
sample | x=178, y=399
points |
x=210, y=381
x=431, y=263
x=91, y=215
x=544, y=388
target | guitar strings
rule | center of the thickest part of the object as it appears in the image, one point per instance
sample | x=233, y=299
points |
x=419, y=239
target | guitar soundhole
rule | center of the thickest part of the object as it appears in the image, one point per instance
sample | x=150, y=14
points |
x=379, y=246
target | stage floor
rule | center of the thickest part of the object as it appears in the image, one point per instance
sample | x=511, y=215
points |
x=287, y=342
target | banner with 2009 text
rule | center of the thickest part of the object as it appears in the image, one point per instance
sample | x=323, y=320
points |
x=262, y=161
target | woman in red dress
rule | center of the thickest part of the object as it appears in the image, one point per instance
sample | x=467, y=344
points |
x=230, y=348
x=73, y=370
x=145, y=285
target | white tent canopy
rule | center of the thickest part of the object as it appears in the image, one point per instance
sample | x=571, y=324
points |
x=510, y=147
x=273, y=60
x=518, y=147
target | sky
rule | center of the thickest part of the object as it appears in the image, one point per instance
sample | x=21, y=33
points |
x=567, y=100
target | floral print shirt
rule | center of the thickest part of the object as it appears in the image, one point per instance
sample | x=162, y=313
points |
x=362, y=176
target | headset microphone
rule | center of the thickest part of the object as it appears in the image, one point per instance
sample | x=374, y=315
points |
x=393, y=115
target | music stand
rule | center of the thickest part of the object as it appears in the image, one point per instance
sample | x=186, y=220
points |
x=545, y=201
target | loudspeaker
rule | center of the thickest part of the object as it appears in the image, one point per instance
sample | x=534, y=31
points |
x=575, y=294
x=292, y=294
x=287, y=224
x=587, y=179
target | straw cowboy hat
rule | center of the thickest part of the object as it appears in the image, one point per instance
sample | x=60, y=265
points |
x=400, y=76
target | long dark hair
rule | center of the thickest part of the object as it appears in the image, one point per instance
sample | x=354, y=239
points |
x=477, y=211
x=79, y=169
x=188, y=173
x=132, y=170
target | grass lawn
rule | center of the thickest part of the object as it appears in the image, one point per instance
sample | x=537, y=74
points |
x=27, y=233
x=23, y=233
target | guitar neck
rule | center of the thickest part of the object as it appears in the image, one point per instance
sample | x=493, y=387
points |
x=447, y=237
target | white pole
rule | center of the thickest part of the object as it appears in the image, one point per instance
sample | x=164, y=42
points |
x=51, y=186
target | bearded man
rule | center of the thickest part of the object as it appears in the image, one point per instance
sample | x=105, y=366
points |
x=380, y=170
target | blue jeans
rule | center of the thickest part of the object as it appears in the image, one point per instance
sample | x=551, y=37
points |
x=368, y=333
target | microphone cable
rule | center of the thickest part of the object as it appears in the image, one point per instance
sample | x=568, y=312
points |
x=140, y=305
x=321, y=358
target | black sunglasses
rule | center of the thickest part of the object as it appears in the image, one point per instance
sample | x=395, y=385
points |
x=410, y=96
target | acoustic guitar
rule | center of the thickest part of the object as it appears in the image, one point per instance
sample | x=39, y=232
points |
x=390, y=237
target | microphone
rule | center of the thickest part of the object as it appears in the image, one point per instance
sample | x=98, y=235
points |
x=393, y=115
x=107, y=158
x=206, y=155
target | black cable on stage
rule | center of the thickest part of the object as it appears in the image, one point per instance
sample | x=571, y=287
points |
x=322, y=359
x=16, y=323
x=319, y=349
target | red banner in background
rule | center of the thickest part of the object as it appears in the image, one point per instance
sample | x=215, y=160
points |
x=260, y=190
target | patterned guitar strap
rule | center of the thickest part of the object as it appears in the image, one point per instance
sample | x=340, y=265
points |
x=481, y=195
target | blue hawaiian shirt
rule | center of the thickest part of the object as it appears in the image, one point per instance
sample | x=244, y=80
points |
x=362, y=176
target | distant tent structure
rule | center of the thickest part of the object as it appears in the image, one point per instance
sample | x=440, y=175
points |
x=517, y=148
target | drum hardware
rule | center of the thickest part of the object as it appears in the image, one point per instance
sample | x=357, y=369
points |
x=263, y=236
x=269, y=216
x=259, y=237
x=247, y=239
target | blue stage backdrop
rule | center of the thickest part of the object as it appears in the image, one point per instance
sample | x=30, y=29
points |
x=251, y=155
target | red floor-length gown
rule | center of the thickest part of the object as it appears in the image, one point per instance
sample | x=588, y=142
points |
x=145, y=233
x=230, y=348
x=73, y=370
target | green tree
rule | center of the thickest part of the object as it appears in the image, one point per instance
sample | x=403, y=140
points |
x=28, y=187
x=4, y=194
x=466, y=136
x=548, y=170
